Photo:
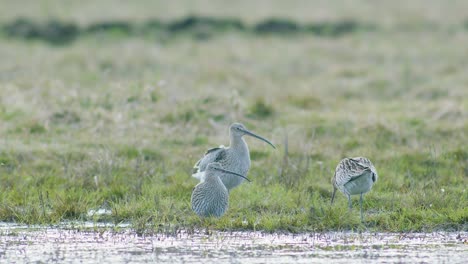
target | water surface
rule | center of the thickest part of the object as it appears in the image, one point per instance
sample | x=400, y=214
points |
x=76, y=244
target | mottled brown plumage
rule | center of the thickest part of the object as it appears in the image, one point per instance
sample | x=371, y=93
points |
x=354, y=176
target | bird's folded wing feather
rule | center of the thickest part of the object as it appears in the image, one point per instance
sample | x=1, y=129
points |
x=367, y=163
x=350, y=171
x=212, y=155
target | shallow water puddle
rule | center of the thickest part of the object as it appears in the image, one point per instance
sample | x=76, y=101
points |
x=66, y=244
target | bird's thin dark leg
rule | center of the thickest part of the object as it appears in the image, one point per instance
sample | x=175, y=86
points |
x=349, y=202
x=333, y=195
x=360, y=201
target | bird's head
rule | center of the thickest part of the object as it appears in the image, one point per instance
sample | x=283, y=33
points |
x=216, y=166
x=239, y=130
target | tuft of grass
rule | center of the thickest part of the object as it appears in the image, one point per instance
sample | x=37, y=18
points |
x=305, y=102
x=36, y=128
x=260, y=109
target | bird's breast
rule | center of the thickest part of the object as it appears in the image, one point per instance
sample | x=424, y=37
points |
x=360, y=185
x=239, y=160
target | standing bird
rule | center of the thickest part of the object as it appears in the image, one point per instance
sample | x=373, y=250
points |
x=354, y=176
x=210, y=197
x=235, y=158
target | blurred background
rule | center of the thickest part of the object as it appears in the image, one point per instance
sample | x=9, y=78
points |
x=121, y=98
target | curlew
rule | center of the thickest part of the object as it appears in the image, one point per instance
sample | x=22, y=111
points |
x=234, y=158
x=210, y=197
x=354, y=176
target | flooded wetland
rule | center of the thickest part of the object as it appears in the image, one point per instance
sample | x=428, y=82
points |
x=105, y=107
x=23, y=244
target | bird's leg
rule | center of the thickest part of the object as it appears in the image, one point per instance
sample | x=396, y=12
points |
x=333, y=194
x=360, y=201
x=349, y=202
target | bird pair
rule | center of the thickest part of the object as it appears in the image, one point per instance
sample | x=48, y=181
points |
x=224, y=168
x=220, y=170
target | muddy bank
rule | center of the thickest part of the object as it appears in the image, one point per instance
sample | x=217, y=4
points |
x=199, y=27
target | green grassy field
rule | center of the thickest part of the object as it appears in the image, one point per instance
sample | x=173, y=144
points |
x=116, y=120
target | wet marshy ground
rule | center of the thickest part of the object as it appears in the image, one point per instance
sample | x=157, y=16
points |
x=78, y=244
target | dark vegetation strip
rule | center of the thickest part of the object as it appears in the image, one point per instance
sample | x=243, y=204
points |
x=61, y=32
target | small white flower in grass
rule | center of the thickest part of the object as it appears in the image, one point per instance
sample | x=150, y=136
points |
x=257, y=221
x=430, y=205
x=442, y=190
x=99, y=212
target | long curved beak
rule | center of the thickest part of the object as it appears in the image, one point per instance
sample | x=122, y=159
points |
x=259, y=137
x=230, y=172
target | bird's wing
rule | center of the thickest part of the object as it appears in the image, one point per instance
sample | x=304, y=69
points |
x=365, y=162
x=212, y=155
x=348, y=170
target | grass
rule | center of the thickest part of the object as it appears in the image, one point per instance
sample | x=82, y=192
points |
x=116, y=121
